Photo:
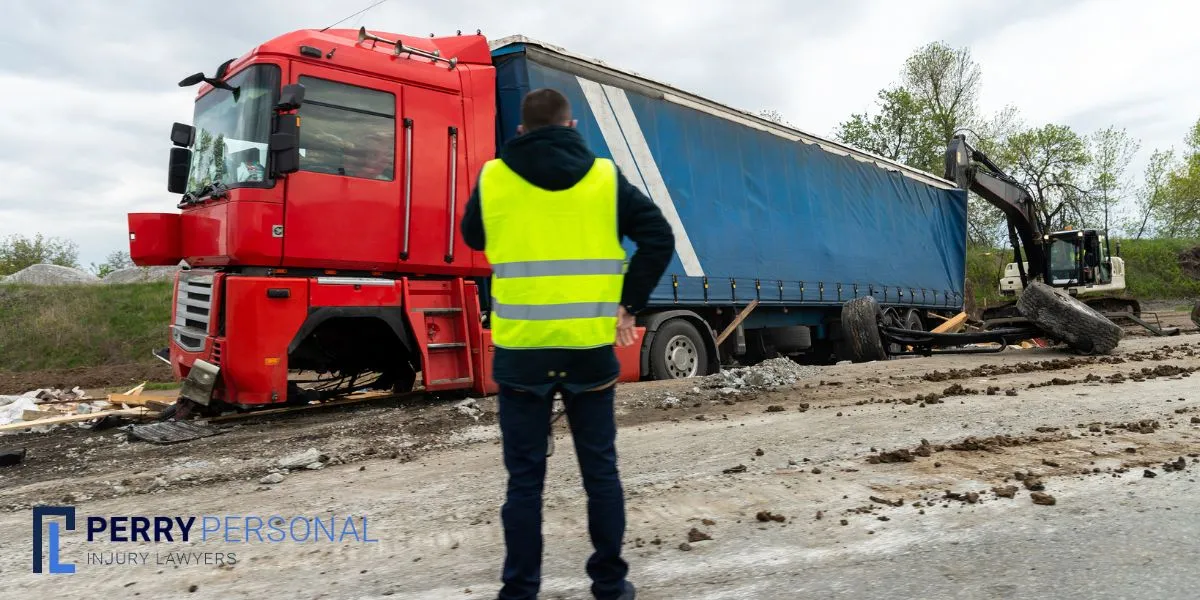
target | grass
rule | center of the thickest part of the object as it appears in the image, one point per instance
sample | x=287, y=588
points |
x=1151, y=271
x=50, y=327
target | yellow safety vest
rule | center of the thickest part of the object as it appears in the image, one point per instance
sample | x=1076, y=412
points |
x=556, y=256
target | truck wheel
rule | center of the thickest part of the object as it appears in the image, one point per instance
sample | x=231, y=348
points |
x=1063, y=317
x=913, y=321
x=678, y=351
x=860, y=329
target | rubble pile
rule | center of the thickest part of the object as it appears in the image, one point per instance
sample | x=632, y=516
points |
x=50, y=275
x=141, y=275
x=769, y=374
x=38, y=404
x=44, y=409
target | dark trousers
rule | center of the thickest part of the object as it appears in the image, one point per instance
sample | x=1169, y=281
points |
x=525, y=427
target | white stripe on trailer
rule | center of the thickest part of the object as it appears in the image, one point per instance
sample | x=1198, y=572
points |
x=627, y=144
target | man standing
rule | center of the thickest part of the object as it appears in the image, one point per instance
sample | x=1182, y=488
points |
x=550, y=216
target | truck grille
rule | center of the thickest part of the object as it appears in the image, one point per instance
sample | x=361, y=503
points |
x=193, y=311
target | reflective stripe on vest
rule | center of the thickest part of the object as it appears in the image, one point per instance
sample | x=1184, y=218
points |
x=557, y=261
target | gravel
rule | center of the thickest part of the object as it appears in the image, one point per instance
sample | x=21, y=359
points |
x=769, y=374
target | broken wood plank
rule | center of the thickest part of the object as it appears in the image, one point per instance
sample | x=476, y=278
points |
x=141, y=400
x=132, y=412
x=136, y=391
x=937, y=316
x=291, y=409
x=953, y=325
x=736, y=321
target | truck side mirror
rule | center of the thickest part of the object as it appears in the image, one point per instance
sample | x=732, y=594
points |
x=183, y=135
x=290, y=98
x=285, y=145
x=177, y=170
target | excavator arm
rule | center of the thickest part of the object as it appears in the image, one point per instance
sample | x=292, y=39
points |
x=972, y=170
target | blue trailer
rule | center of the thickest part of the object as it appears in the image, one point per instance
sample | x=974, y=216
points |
x=761, y=212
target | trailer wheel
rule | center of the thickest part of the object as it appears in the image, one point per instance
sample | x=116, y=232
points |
x=678, y=351
x=1082, y=328
x=913, y=320
x=860, y=329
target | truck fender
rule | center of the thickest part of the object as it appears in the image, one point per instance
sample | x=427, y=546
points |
x=393, y=316
x=654, y=320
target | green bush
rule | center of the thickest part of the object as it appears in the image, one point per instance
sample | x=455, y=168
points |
x=49, y=327
x=1152, y=269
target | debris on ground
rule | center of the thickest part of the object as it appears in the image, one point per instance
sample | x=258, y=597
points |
x=272, y=478
x=769, y=374
x=765, y=516
x=695, y=535
x=171, y=432
x=1043, y=498
x=685, y=547
x=468, y=408
x=43, y=409
x=898, y=502
x=303, y=460
x=11, y=456
x=1007, y=491
x=737, y=469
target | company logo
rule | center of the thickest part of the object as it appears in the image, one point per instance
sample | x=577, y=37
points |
x=227, y=529
x=40, y=513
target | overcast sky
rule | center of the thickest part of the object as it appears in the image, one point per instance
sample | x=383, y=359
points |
x=89, y=88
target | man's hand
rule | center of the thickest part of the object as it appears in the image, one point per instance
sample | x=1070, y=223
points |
x=626, y=336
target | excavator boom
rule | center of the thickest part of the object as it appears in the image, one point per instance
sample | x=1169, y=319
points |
x=972, y=170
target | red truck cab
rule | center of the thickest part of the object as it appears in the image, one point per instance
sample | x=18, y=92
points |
x=323, y=181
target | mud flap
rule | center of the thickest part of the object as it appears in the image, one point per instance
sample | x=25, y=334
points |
x=198, y=386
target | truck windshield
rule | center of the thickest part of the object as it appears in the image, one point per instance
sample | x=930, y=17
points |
x=232, y=131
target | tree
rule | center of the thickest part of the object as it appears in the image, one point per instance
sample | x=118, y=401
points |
x=945, y=80
x=1181, y=213
x=1112, y=151
x=900, y=131
x=1050, y=162
x=937, y=97
x=115, y=261
x=771, y=115
x=1152, y=197
x=18, y=252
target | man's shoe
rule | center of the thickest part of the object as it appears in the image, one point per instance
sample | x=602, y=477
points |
x=630, y=592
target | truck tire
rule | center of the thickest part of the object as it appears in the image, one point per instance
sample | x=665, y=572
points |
x=860, y=330
x=913, y=320
x=1063, y=317
x=678, y=351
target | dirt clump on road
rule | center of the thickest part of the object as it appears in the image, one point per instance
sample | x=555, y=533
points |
x=765, y=516
x=1007, y=491
x=1043, y=499
x=695, y=535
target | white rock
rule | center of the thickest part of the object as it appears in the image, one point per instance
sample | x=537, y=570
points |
x=302, y=459
x=273, y=478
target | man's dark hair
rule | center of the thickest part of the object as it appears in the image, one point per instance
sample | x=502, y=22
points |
x=543, y=108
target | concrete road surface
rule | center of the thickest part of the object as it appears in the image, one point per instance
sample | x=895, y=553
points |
x=884, y=475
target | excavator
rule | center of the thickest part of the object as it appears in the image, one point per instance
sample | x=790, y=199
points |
x=1079, y=262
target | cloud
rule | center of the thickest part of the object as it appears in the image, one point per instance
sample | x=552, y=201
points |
x=89, y=89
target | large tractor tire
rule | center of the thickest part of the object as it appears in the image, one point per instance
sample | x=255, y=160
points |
x=1065, y=318
x=860, y=330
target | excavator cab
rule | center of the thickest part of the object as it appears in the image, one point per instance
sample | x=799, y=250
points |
x=1078, y=258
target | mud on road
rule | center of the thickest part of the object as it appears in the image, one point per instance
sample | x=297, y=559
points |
x=845, y=463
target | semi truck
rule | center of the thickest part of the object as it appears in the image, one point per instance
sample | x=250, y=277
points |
x=322, y=182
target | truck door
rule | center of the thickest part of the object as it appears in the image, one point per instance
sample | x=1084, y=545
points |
x=433, y=205
x=343, y=206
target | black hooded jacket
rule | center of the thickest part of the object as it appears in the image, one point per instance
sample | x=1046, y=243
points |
x=556, y=158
